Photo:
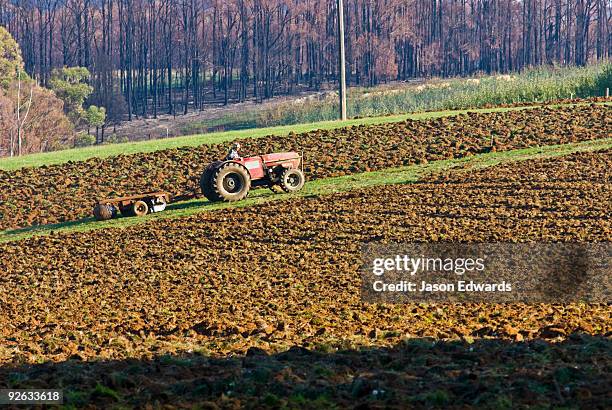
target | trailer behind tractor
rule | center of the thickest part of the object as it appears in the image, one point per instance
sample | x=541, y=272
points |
x=221, y=181
x=135, y=205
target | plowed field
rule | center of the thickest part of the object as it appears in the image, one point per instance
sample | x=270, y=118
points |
x=282, y=275
x=66, y=192
x=262, y=270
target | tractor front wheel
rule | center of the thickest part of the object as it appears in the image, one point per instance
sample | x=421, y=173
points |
x=231, y=182
x=292, y=180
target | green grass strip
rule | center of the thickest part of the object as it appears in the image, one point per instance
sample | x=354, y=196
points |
x=327, y=186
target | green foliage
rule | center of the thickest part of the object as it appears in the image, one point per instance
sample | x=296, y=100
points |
x=72, y=75
x=603, y=81
x=95, y=116
x=565, y=375
x=10, y=59
x=102, y=391
x=435, y=398
x=323, y=371
x=116, y=139
x=535, y=85
x=502, y=402
x=45, y=127
x=70, y=85
x=271, y=400
x=84, y=140
x=75, y=399
x=15, y=379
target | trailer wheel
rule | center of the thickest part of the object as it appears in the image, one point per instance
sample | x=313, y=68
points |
x=292, y=180
x=158, y=204
x=206, y=181
x=140, y=208
x=102, y=212
x=231, y=182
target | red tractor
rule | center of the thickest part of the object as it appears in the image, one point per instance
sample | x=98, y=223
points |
x=231, y=180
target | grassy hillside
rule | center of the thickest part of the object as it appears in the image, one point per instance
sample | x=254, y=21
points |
x=104, y=151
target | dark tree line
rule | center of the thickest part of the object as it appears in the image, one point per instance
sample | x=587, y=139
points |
x=170, y=56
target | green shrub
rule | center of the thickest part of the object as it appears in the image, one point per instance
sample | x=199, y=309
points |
x=116, y=139
x=84, y=140
x=603, y=81
x=75, y=399
x=435, y=398
x=103, y=391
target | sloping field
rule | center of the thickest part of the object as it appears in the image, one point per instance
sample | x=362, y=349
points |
x=286, y=274
x=289, y=256
x=59, y=193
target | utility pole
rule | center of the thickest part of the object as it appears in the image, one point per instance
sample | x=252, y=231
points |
x=342, y=61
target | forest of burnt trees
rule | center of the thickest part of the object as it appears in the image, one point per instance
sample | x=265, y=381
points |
x=150, y=57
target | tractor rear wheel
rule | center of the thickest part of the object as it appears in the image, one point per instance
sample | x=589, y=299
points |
x=206, y=181
x=102, y=212
x=231, y=182
x=140, y=208
x=292, y=180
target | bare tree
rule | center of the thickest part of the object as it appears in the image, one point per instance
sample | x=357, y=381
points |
x=20, y=120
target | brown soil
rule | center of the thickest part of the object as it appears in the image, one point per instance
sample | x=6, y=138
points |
x=231, y=282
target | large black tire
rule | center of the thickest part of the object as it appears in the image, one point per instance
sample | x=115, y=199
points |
x=231, y=182
x=292, y=180
x=127, y=211
x=140, y=208
x=103, y=212
x=206, y=181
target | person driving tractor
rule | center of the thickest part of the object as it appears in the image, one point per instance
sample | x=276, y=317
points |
x=233, y=152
